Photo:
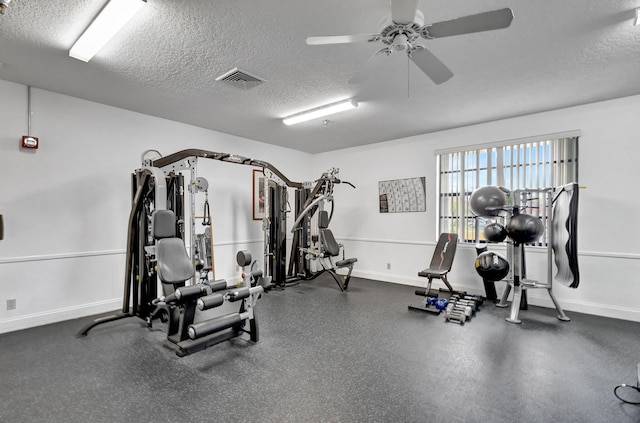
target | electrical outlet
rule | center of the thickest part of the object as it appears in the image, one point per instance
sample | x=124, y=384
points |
x=11, y=304
x=388, y=266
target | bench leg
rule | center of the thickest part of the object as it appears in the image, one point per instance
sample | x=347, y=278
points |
x=446, y=282
x=337, y=278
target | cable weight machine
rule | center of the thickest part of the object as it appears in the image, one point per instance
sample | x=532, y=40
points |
x=158, y=189
x=314, y=248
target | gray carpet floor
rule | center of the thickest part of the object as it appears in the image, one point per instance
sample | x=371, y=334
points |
x=328, y=356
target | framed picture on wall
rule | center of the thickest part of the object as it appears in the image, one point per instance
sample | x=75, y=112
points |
x=258, y=194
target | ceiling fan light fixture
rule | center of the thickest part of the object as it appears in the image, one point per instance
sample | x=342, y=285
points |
x=107, y=24
x=400, y=42
x=327, y=109
x=4, y=4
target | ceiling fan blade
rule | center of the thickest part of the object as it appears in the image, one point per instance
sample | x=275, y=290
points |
x=468, y=24
x=365, y=71
x=342, y=39
x=437, y=71
x=403, y=11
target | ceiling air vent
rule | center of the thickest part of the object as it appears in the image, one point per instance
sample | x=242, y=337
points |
x=240, y=79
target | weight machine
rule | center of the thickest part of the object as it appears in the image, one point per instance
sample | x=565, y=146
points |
x=179, y=304
x=156, y=255
x=314, y=248
x=158, y=189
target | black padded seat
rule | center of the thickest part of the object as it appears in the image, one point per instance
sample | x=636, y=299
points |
x=432, y=272
x=346, y=262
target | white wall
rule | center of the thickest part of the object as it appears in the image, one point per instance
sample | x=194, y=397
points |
x=66, y=205
x=607, y=237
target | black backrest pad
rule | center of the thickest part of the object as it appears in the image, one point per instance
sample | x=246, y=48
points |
x=323, y=220
x=331, y=246
x=445, y=251
x=163, y=223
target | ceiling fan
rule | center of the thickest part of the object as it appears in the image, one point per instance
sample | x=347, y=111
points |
x=405, y=26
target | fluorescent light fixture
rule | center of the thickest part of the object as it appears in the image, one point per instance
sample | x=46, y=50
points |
x=637, y=22
x=325, y=110
x=107, y=24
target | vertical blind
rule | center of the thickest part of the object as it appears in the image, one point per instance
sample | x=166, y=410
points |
x=522, y=164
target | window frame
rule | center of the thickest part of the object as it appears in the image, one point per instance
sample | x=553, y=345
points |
x=516, y=164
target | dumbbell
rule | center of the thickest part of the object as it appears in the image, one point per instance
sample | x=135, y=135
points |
x=428, y=301
x=455, y=316
x=456, y=297
x=467, y=311
x=441, y=304
x=478, y=299
x=467, y=303
x=475, y=300
x=431, y=300
x=464, y=309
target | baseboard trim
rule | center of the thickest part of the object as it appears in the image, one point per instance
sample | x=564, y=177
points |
x=59, y=315
x=613, y=312
x=536, y=298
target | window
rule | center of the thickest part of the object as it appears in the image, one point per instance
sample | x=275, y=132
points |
x=530, y=163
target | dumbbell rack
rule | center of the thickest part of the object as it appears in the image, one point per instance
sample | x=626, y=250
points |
x=517, y=278
x=462, y=307
x=458, y=306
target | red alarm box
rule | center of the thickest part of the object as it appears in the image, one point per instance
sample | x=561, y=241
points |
x=30, y=142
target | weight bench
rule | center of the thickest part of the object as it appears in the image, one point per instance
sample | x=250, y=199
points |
x=439, y=268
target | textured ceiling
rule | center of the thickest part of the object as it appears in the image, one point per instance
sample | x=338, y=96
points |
x=165, y=61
